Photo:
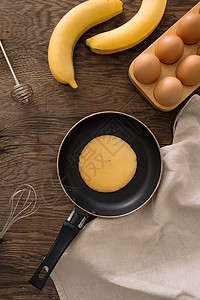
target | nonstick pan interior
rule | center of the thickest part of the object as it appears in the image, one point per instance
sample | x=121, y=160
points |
x=138, y=191
x=135, y=194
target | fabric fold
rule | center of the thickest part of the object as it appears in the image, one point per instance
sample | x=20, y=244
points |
x=153, y=253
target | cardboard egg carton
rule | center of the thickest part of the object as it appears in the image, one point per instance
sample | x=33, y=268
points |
x=167, y=70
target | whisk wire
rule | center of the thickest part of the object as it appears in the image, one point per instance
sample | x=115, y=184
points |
x=11, y=205
x=21, y=93
x=29, y=206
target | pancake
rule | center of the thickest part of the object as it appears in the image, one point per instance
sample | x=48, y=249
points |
x=107, y=163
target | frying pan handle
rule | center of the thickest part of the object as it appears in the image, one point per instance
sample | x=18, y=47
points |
x=69, y=230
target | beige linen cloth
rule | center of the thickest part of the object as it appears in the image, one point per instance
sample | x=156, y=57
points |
x=153, y=253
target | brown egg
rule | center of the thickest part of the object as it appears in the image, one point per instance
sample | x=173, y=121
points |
x=168, y=91
x=188, y=70
x=188, y=28
x=198, y=50
x=146, y=68
x=169, y=49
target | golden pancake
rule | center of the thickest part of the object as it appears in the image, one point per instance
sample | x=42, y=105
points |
x=107, y=163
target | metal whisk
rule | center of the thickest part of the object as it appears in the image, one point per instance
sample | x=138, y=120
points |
x=23, y=203
x=21, y=92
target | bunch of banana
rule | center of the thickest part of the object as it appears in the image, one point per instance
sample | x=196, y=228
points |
x=90, y=13
x=131, y=33
x=69, y=30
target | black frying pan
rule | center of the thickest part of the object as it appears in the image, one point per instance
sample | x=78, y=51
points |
x=89, y=202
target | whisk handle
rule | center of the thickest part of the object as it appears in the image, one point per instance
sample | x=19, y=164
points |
x=9, y=64
x=69, y=230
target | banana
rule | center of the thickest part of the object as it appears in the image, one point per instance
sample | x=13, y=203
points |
x=131, y=33
x=69, y=30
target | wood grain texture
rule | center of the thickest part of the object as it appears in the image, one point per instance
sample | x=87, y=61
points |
x=30, y=135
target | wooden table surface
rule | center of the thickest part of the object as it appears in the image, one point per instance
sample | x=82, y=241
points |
x=30, y=135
